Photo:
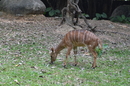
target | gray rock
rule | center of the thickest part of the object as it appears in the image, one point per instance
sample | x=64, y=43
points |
x=22, y=7
x=121, y=10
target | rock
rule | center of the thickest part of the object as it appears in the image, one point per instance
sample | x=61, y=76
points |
x=121, y=10
x=22, y=7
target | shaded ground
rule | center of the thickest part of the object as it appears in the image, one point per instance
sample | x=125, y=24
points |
x=39, y=29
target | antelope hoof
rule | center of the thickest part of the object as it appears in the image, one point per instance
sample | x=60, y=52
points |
x=94, y=67
x=51, y=63
x=64, y=66
x=75, y=64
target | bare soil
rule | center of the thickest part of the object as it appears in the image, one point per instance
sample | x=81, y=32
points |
x=44, y=30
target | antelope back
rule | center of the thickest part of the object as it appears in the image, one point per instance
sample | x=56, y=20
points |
x=81, y=38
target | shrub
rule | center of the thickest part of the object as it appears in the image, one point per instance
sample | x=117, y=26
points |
x=51, y=12
x=122, y=19
x=100, y=16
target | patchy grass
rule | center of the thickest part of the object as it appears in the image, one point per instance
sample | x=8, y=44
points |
x=28, y=65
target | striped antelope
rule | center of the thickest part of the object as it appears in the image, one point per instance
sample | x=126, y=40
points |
x=76, y=38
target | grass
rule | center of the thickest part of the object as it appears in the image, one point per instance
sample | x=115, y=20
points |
x=28, y=65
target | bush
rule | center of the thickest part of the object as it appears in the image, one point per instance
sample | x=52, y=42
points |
x=100, y=16
x=51, y=12
x=122, y=19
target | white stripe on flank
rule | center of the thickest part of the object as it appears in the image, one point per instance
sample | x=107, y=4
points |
x=84, y=37
x=78, y=35
x=68, y=37
x=88, y=36
x=71, y=37
x=74, y=37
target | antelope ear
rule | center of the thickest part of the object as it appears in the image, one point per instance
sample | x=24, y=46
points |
x=52, y=49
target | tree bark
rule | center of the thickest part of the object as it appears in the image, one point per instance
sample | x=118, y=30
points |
x=71, y=13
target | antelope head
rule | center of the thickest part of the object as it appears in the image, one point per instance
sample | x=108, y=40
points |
x=53, y=55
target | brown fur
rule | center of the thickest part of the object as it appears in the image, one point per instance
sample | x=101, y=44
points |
x=76, y=38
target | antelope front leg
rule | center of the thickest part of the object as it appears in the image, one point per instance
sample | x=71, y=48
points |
x=95, y=58
x=75, y=52
x=94, y=54
x=67, y=54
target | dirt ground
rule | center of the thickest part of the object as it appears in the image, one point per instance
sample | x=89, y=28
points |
x=40, y=29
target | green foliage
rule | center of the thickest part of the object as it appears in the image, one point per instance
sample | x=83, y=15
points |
x=51, y=12
x=122, y=19
x=100, y=16
x=99, y=51
x=86, y=15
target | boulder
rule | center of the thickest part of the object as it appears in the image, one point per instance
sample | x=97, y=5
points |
x=22, y=7
x=121, y=10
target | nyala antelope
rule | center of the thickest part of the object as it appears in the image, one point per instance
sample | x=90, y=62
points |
x=76, y=38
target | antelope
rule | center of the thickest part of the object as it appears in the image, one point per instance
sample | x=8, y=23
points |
x=74, y=39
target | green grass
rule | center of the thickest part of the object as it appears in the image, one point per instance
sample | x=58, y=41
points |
x=28, y=65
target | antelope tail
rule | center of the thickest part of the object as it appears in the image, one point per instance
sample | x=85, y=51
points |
x=99, y=44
